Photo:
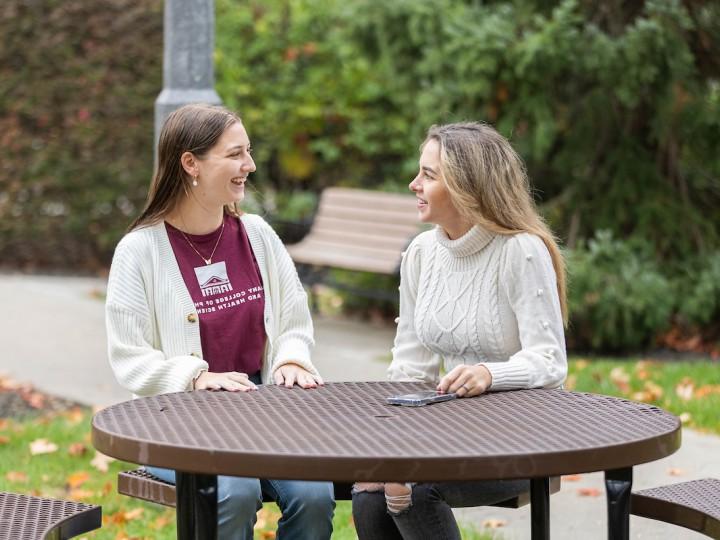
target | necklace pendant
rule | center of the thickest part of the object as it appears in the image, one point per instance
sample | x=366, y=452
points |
x=207, y=261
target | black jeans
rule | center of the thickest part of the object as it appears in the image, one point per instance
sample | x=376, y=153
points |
x=429, y=515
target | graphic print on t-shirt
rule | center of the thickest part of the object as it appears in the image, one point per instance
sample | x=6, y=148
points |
x=213, y=279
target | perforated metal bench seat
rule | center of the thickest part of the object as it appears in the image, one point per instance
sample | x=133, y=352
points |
x=140, y=484
x=24, y=517
x=694, y=505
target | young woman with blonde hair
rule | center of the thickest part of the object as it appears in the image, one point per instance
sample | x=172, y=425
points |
x=482, y=296
x=204, y=297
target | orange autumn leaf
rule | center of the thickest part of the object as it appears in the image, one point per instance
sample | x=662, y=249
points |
x=77, y=479
x=707, y=390
x=74, y=416
x=160, y=522
x=267, y=535
x=4, y=439
x=572, y=478
x=16, y=477
x=4, y=424
x=493, y=523
x=581, y=364
x=77, y=449
x=589, y=492
x=79, y=494
x=108, y=488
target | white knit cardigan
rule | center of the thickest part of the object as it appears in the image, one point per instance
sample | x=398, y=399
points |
x=152, y=325
x=481, y=299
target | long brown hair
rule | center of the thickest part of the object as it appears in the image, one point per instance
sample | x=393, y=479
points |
x=194, y=128
x=489, y=186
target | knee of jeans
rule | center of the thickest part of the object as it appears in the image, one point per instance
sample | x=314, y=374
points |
x=398, y=498
x=241, y=497
x=314, y=499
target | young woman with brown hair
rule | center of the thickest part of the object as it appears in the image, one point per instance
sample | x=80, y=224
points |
x=202, y=296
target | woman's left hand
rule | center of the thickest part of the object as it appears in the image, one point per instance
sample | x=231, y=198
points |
x=291, y=374
x=466, y=381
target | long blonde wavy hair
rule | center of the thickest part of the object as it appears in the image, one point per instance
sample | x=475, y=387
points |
x=489, y=186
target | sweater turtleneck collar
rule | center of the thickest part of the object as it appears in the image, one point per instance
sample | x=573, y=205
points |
x=471, y=242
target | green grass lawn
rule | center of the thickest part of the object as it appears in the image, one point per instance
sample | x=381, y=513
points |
x=690, y=390
x=70, y=470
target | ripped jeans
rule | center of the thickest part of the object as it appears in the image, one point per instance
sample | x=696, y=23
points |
x=427, y=512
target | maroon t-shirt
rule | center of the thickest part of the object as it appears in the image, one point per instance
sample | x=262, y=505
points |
x=228, y=295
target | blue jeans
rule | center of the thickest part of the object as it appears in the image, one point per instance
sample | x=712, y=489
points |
x=429, y=515
x=307, y=507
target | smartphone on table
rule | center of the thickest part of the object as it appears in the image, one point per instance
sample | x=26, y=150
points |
x=418, y=399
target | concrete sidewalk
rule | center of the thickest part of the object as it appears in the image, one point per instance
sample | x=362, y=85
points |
x=54, y=337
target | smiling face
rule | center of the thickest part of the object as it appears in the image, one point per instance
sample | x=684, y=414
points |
x=222, y=172
x=433, y=198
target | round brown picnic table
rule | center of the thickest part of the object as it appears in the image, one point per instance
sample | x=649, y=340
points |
x=346, y=432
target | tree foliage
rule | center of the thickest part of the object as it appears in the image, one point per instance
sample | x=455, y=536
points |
x=615, y=106
x=77, y=85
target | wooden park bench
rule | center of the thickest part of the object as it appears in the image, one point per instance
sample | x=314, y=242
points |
x=359, y=230
x=140, y=484
x=694, y=505
x=24, y=517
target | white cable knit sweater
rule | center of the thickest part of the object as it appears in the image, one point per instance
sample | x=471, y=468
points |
x=153, y=334
x=482, y=298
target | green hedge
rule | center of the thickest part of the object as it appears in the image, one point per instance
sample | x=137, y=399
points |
x=77, y=84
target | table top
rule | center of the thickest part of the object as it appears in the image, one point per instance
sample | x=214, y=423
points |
x=346, y=432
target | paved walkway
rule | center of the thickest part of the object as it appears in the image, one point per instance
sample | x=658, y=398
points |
x=54, y=337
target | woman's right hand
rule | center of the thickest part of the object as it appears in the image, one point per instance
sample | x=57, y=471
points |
x=231, y=381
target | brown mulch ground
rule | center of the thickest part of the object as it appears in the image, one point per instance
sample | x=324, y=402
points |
x=22, y=400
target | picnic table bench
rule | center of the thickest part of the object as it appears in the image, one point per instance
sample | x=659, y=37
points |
x=358, y=230
x=141, y=484
x=25, y=517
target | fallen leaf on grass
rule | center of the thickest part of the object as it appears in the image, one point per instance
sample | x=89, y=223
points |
x=572, y=478
x=81, y=494
x=707, y=390
x=494, y=523
x=4, y=439
x=581, y=364
x=108, y=488
x=267, y=535
x=74, y=416
x=589, y=492
x=134, y=513
x=621, y=379
x=101, y=461
x=160, y=522
x=684, y=389
x=674, y=471
x=42, y=446
x=16, y=476
x=77, y=479
x=4, y=424
x=77, y=449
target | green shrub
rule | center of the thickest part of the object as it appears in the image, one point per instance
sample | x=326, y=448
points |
x=618, y=298
x=78, y=81
x=699, y=291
